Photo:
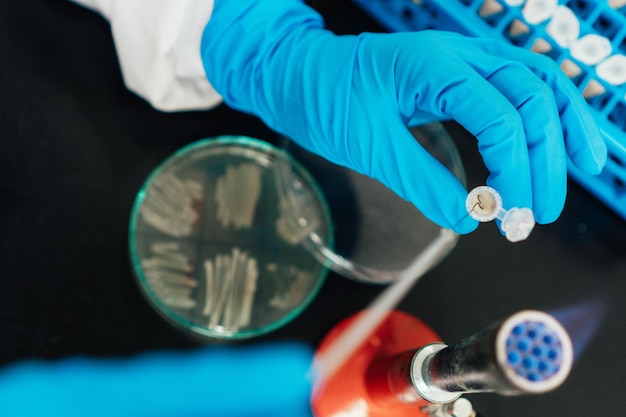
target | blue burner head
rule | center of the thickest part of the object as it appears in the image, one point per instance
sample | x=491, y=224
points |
x=534, y=351
x=528, y=353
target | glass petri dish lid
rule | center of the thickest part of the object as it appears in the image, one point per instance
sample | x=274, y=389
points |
x=208, y=244
x=377, y=234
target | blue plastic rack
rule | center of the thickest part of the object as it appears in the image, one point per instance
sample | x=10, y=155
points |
x=495, y=18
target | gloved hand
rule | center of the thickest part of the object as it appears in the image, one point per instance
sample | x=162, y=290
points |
x=263, y=381
x=350, y=99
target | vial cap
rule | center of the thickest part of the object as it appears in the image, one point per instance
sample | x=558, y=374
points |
x=518, y=223
x=535, y=352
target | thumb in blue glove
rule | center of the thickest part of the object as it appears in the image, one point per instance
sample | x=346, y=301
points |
x=260, y=381
x=350, y=99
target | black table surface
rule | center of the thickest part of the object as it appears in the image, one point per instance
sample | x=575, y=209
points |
x=75, y=147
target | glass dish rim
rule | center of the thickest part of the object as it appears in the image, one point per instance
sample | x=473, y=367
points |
x=166, y=312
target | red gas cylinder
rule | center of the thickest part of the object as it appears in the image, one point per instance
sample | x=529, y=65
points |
x=374, y=381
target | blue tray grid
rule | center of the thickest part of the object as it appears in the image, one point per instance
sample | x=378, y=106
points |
x=494, y=18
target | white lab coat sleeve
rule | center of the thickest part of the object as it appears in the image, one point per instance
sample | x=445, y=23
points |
x=158, y=47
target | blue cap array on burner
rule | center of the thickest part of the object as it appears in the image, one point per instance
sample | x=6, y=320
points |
x=534, y=351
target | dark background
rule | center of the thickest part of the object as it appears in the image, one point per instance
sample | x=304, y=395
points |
x=75, y=147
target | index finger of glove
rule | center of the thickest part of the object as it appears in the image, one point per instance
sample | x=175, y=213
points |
x=535, y=104
x=403, y=165
x=487, y=114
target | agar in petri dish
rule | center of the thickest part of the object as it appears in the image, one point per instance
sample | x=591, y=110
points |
x=209, y=245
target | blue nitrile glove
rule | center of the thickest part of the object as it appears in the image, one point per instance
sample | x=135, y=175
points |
x=350, y=98
x=263, y=381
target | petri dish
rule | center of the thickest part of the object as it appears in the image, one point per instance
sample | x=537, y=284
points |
x=377, y=234
x=208, y=244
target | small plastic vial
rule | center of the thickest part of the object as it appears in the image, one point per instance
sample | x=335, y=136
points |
x=564, y=27
x=613, y=70
x=616, y=4
x=485, y=204
x=537, y=11
x=591, y=49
